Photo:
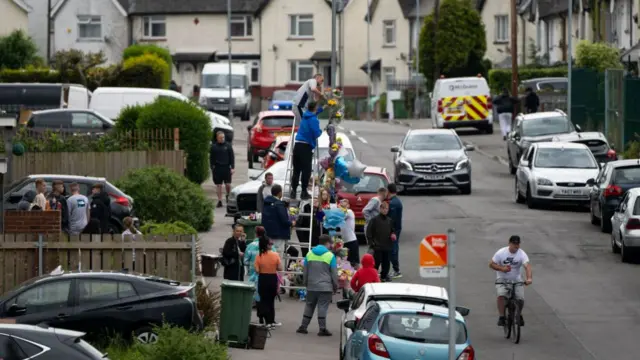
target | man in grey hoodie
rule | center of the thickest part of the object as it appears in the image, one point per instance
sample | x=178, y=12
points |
x=372, y=209
x=321, y=280
x=264, y=191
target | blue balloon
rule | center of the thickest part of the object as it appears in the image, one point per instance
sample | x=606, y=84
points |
x=342, y=171
x=333, y=219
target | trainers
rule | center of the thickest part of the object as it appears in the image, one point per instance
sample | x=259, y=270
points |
x=396, y=275
x=305, y=196
x=292, y=194
x=275, y=324
x=521, y=321
x=324, y=332
x=219, y=204
x=302, y=330
x=501, y=321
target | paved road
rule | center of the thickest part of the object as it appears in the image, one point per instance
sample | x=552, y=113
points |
x=584, y=303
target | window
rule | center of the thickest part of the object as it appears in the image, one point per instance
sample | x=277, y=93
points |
x=83, y=120
x=89, y=27
x=12, y=347
x=358, y=299
x=241, y=26
x=559, y=158
x=53, y=120
x=389, y=34
x=104, y=290
x=301, y=71
x=301, y=26
x=154, y=27
x=389, y=73
x=369, y=184
x=502, y=28
x=547, y=126
x=255, y=72
x=278, y=122
x=45, y=297
x=369, y=318
x=420, y=328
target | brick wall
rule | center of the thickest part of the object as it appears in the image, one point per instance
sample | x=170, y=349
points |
x=32, y=222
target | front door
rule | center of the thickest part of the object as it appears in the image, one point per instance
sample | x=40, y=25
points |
x=326, y=71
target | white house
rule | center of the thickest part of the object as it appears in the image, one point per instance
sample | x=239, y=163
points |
x=38, y=24
x=14, y=15
x=91, y=26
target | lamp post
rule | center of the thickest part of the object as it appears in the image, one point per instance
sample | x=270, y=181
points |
x=229, y=59
x=416, y=103
x=334, y=15
x=570, y=62
x=368, y=60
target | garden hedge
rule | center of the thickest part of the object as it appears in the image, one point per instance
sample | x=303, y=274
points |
x=501, y=78
x=147, y=70
x=141, y=49
x=195, y=131
x=128, y=117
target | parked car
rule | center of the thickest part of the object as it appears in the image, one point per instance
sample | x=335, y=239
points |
x=101, y=303
x=243, y=198
x=595, y=141
x=432, y=159
x=45, y=343
x=533, y=128
x=282, y=100
x=546, y=84
x=275, y=152
x=625, y=234
x=554, y=172
x=121, y=203
x=69, y=120
x=607, y=189
x=405, y=330
x=265, y=128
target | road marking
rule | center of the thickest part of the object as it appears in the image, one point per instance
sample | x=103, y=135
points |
x=353, y=133
x=340, y=127
x=362, y=139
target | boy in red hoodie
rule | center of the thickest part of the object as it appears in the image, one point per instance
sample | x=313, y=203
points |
x=366, y=274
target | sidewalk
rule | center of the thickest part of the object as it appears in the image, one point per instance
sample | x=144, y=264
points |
x=284, y=341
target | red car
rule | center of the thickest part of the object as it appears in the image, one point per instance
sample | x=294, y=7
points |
x=359, y=194
x=276, y=151
x=266, y=127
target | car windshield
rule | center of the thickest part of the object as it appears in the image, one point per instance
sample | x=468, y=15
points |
x=626, y=175
x=221, y=81
x=560, y=158
x=432, y=142
x=283, y=95
x=279, y=171
x=346, y=153
x=547, y=126
x=369, y=184
x=278, y=121
x=420, y=327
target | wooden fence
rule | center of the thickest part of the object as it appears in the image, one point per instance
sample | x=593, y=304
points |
x=24, y=256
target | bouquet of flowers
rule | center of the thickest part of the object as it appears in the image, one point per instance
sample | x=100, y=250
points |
x=294, y=212
x=295, y=279
x=345, y=273
x=339, y=250
x=334, y=105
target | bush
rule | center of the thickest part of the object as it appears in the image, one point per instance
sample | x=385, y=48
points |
x=195, y=131
x=209, y=303
x=146, y=71
x=172, y=228
x=141, y=49
x=95, y=77
x=58, y=141
x=163, y=196
x=17, y=50
x=501, y=78
x=597, y=56
x=128, y=117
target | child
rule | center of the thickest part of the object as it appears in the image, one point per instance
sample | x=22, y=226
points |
x=366, y=274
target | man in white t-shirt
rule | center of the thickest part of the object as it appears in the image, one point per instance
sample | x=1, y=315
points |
x=349, y=234
x=311, y=90
x=507, y=262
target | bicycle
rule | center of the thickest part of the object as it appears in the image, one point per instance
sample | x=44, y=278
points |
x=512, y=312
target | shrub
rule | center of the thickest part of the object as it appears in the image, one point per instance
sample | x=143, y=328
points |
x=172, y=228
x=209, y=303
x=147, y=71
x=163, y=196
x=128, y=117
x=95, y=77
x=195, y=131
x=17, y=50
x=501, y=78
x=141, y=49
x=597, y=56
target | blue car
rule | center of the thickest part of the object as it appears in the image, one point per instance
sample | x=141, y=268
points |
x=400, y=330
x=282, y=100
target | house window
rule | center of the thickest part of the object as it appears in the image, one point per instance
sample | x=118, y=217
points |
x=241, y=26
x=255, y=72
x=389, y=34
x=155, y=27
x=89, y=27
x=301, y=26
x=502, y=29
x=301, y=71
x=389, y=74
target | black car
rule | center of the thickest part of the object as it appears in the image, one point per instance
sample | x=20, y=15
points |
x=121, y=203
x=69, y=120
x=595, y=141
x=614, y=179
x=533, y=128
x=102, y=303
x=44, y=343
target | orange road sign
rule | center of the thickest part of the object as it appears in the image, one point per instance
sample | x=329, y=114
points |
x=433, y=256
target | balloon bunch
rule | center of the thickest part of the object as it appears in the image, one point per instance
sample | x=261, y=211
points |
x=336, y=167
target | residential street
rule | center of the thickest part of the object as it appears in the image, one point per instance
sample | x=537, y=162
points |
x=581, y=290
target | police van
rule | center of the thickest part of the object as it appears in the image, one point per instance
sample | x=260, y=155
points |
x=462, y=102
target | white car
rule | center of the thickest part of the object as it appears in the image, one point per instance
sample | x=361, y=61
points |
x=243, y=198
x=347, y=150
x=625, y=225
x=555, y=172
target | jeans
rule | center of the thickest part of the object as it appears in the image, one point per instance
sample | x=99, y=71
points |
x=395, y=253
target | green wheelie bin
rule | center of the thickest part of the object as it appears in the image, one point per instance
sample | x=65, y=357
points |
x=237, y=299
x=249, y=227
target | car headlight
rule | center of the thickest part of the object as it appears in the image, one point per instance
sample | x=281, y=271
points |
x=275, y=107
x=203, y=101
x=405, y=165
x=240, y=100
x=543, y=181
x=462, y=164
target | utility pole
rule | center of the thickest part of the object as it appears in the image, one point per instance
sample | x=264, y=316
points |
x=436, y=18
x=570, y=63
x=369, y=107
x=514, y=53
x=417, y=69
x=229, y=59
x=48, y=31
x=334, y=16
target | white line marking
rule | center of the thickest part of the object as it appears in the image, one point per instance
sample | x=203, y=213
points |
x=353, y=133
x=362, y=139
x=340, y=127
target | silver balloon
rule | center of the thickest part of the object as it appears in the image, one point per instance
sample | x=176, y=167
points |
x=356, y=168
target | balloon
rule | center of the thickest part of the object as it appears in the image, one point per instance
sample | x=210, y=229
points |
x=333, y=218
x=325, y=163
x=18, y=149
x=356, y=168
x=342, y=171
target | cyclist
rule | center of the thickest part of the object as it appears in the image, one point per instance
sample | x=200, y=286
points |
x=507, y=262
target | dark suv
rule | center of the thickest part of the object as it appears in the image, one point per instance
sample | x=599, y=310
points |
x=121, y=203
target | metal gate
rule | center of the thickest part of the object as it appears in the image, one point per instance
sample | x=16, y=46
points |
x=614, y=108
x=631, y=125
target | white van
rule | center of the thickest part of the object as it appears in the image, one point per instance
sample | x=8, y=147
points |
x=462, y=102
x=214, y=89
x=41, y=96
x=109, y=101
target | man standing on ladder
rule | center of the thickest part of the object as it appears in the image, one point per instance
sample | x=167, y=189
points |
x=311, y=90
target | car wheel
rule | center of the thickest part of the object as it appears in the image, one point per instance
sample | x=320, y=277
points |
x=517, y=196
x=146, y=335
x=466, y=189
x=614, y=247
x=625, y=252
x=594, y=219
x=531, y=202
x=605, y=222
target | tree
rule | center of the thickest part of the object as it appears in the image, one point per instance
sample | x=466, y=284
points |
x=71, y=62
x=461, y=41
x=17, y=51
x=597, y=56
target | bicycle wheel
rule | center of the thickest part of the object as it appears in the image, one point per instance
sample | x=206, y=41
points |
x=507, y=321
x=515, y=332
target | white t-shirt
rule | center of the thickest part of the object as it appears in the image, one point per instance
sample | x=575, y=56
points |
x=505, y=257
x=128, y=232
x=305, y=89
x=349, y=232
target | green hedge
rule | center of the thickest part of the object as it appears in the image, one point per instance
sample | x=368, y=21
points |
x=501, y=78
x=141, y=49
x=147, y=70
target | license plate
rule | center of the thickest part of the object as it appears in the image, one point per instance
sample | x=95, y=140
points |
x=571, y=191
x=433, y=177
x=220, y=107
x=360, y=222
x=455, y=110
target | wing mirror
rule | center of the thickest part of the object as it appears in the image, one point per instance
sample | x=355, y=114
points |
x=469, y=147
x=350, y=324
x=463, y=310
x=395, y=149
x=344, y=305
x=515, y=136
x=262, y=153
x=578, y=128
x=591, y=182
x=16, y=309
x=249, y=127
x=601, y=165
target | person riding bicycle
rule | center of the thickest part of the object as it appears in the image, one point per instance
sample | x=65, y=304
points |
x=507, y=262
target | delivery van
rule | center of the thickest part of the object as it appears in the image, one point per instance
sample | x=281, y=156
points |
x=18, y=97
x=214, y=89
x=462, y=102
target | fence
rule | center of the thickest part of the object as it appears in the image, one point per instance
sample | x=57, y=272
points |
x=588, y=99
x=24, y=256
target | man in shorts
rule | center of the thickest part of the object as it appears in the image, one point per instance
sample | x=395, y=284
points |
x=222, y=162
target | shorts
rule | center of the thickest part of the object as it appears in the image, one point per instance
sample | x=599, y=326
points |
x=502, y=290
x=221, y=175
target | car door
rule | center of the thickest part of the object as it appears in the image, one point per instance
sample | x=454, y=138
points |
x=512, y=140
x=50, y=303
x=358, y=299
x=524, y=171
x=357, y=343
x=618, y=216
x=83, y=121
x=597, y=189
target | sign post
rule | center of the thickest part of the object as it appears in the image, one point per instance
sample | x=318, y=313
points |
x=453, y=331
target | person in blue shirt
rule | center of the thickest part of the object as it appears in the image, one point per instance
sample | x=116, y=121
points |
x=395, y=213
x=304, y=143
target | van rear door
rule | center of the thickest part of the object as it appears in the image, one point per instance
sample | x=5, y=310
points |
x=464, y=99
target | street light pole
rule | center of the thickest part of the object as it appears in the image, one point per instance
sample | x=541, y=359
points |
x=48, y=31
x=570, y=63
x=514, y=53
x=229, y=59
x=334, y=16
x=417, y=66
x=369, y=60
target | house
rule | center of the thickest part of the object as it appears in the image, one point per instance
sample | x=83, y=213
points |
x=618, y=25
x=14, y=15
x=38, y=24
x=553, y=27
x=91, y=26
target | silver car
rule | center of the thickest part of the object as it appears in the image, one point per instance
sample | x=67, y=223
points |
x=625, y=234
x=555, y=172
